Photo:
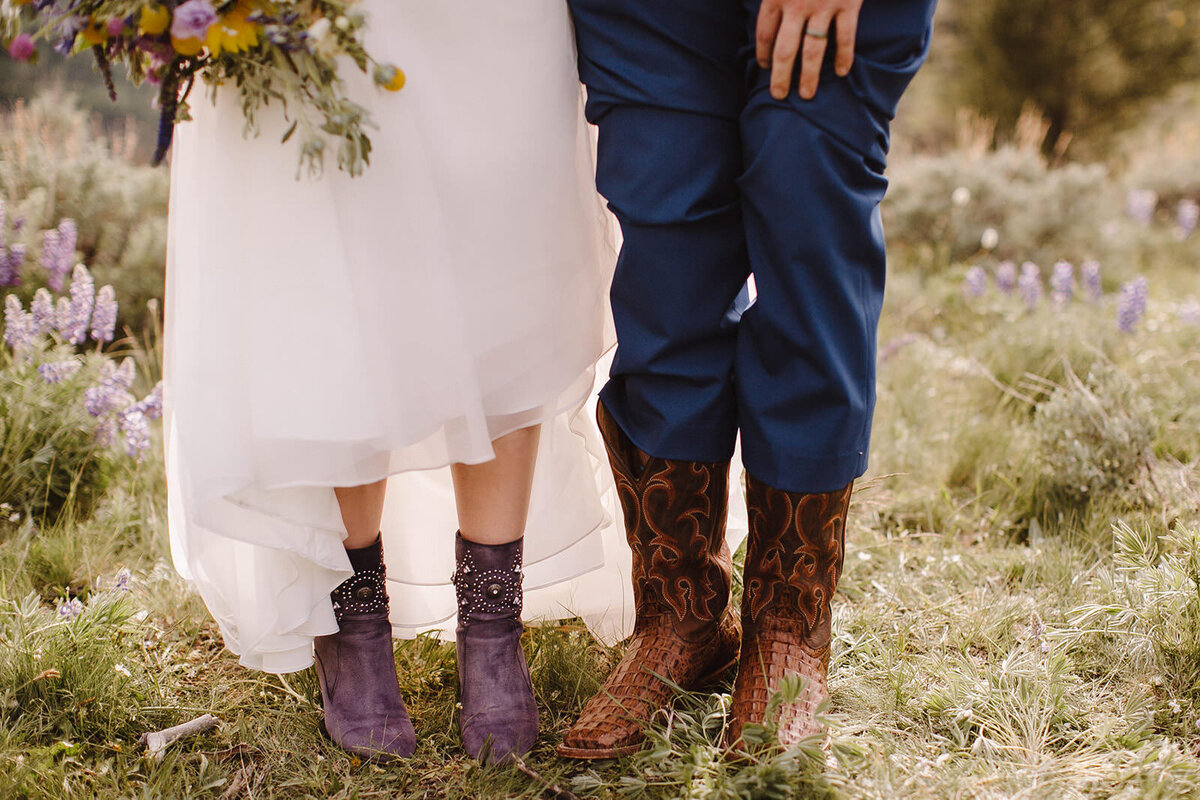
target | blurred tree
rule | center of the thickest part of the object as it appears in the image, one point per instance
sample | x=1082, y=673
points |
x=1089, y=66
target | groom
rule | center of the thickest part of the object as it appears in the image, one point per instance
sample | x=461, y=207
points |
x=739, y=137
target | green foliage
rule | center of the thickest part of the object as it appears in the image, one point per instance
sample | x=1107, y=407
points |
x=52, y=165
x=1093, y=436
x=1090, y=66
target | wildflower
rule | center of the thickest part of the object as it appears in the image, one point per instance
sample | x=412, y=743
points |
x=153, y=20
x=989, y=239
x=18, y=324
x=1187, y=216
x=193, y=19
x=79, y=313
x=1131, y=306
x=62, y=314
x=1030, y=284
x=1140, y=205
x=58, y=371
x=12, y=259
x=137, y=432
x=961, y=196
x=390, y=77
x=70, y=609
x=104, y=314
x=975, y=283
x=1062, y=283
x=58, y=252
x=152, y=404
x=1006, y=276
x=21, y=47
x=106, y=431
x=123, y=581
x=1090, y=270
x=113, y=390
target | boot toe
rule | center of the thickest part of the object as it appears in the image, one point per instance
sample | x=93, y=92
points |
x=498, y=744
x=379, y=742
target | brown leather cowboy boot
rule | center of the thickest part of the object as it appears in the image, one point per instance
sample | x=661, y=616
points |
x=793, y=562
x=685, y=630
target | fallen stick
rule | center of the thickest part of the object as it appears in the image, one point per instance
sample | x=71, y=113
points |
x=550, y=789
x=158, y=741
x=239, y=784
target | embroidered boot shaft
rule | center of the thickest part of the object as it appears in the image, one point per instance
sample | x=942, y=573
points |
x=499, y=716
x=685, y=630
x=356, y=669
x=793, y=563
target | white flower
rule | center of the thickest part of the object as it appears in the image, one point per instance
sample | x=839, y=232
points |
x=961, y=196
x=989, y=239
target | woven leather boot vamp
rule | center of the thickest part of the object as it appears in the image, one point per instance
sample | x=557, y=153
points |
x=793, y=562
x=685, y=630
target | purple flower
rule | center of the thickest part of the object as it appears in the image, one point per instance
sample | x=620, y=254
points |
x=1189, y=312
x=62, y=314
x=1188, y=216
x=1006, y=276
x=79, y=312
x=1091, y=279
x=193, y=19
x=11, y=261
x=1140, y=205
x=58, y=371
x=1030, y=284
x=975, y=283
x=3, y=233
x=137, y=431
x=106, y=431
x=18, y=324
x=70, y=609
x=104, y=314
x=1062, y=283
x=1131, y=305
x=152, y=404
x=123, y=582
x=42, y=309
x=58, y=253
x=112, y=392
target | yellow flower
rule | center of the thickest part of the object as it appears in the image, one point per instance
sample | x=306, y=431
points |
x=233, y=32
x=390, y=78
x=186, y=47
x=95, y=32
x=153, y=20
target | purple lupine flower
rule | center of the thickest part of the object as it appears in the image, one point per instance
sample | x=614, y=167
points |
x=1090, y=270
x=1187, y=216
x=106, y=431
x=104, y=314
x=79, y=313
x=137, y=432
x=1140, y=205
x=123, y=581
x=70, y=609
x=1030, y=284
x=58, y=371
x=3, y=229
x=62, y=314
x=192, y=19
x=1006, y=276
x=68, y=236
x=1062, y=283
x=975, y=283
x=1131, y=306
x=18, y=324
x=42, y=309
x=112, y=392
x=152, y=404
x=12, y=260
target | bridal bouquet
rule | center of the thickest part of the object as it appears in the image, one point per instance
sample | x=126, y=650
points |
x=289, y=51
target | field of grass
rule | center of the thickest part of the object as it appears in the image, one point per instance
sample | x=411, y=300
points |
x=1020, y=613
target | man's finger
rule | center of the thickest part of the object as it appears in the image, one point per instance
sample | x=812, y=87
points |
x=847, y=29
x=816, y=37
x=768, y=26
x=783, y=60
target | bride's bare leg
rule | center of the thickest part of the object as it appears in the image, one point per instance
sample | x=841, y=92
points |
x=493, y=497
x=499, y=717
x=362, y=511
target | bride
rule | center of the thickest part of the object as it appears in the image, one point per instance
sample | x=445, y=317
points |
x=342, y=352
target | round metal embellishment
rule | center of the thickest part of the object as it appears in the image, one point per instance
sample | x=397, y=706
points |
x=494, y=590
x=364, y=592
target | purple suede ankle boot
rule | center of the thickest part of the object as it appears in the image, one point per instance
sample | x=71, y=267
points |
x=499, y=717
x=364, y=712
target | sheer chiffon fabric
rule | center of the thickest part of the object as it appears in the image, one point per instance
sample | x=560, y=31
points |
x=334, y=332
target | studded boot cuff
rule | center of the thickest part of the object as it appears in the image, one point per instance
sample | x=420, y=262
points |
x=364, y=592
x=487, y=579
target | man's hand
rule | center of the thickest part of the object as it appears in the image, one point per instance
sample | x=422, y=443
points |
x=791, y=28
